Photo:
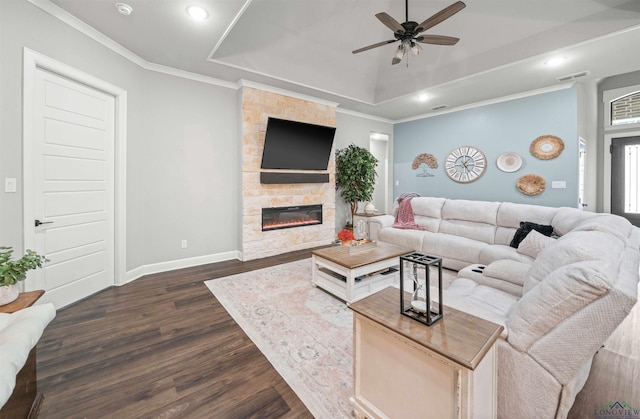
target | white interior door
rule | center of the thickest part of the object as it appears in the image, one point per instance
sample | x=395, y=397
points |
x=73, y=185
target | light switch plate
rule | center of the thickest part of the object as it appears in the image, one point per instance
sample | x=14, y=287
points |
x=559, y=184
x=10, y=184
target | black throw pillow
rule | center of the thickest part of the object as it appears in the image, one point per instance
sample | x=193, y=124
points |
x=525, y=228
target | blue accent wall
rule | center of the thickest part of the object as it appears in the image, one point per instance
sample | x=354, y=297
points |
x=508, y=126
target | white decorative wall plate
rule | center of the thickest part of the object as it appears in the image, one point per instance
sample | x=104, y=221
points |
x=509, y=162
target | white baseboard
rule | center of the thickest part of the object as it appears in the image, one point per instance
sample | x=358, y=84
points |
x=155, y=268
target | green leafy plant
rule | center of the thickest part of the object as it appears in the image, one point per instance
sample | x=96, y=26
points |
x=355, y=175
x=12, y=271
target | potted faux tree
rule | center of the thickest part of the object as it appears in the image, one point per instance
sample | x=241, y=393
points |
x=355, y=175
x=12, y=271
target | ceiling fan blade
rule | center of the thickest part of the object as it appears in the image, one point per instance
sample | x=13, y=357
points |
x=442, y=15
x=390, y=22
x=379, y=44
x=437, y=39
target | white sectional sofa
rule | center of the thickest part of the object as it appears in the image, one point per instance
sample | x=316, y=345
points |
x=558, y=298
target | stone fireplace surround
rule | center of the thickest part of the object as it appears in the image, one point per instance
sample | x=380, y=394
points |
x=257, y=106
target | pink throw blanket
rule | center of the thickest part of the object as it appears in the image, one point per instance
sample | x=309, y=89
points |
x=404, y=216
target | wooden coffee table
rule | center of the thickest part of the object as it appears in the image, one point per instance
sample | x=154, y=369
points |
x=353, y=276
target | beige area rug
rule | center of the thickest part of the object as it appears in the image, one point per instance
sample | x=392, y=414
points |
x=306, y=333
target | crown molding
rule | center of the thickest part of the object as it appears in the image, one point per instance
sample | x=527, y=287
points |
x=365, y=115
x=99, y=37
x=488, y=102
x=248, y=83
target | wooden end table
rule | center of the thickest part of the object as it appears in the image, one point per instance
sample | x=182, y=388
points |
x=352, y=276
x=25, y=401
x=403, y=368
x=25, y=299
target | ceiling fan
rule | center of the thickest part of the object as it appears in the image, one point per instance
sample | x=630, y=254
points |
x=409, y=32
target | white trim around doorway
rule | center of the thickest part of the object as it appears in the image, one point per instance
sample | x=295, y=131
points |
x=608, y=139
x=32, y=61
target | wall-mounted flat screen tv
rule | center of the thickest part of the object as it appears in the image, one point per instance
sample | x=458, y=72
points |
x=296, y=145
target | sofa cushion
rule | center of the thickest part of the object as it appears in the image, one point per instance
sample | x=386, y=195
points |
x=504, y=275
x=19, y=333
x=510, y=215
x=495, y=252
x=566, y=219
x=451, y=246
x=526, y=227
x=403, y=238
x=533, y=244
x=491, y=299
x=564, y=292
x=618, y=226
x=427, y=206
x=508, y=270
x=577, y=246
x=471, y=219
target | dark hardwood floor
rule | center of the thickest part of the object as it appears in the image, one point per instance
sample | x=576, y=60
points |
x=163, y=347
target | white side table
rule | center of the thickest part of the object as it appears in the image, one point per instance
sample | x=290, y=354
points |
x=362, y=217
x=405, y=369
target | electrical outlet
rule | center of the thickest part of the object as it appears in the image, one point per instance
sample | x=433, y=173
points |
x=10, y=184
x=183, y=244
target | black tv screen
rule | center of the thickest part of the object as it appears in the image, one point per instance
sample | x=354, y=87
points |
x=296, y=145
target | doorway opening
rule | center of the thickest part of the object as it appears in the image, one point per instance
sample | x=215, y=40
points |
x=625, y=178
x=379, y=147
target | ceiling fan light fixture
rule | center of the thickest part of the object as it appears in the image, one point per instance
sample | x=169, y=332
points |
x=415, y=48
x=399, y=52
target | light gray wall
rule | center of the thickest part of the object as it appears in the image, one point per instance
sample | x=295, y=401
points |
x=356, y=129
x=190, y=167
x=182, y=155
x=587, y=97
x=508, y=126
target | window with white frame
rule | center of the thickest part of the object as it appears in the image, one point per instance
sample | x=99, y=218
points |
x=626, y=110
x=632, y=178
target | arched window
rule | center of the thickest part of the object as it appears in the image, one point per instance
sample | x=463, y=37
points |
x=626, y=110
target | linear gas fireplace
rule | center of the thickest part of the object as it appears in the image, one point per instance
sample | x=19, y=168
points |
x=289, y=217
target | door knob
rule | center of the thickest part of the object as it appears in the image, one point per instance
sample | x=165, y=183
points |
x=38, y=222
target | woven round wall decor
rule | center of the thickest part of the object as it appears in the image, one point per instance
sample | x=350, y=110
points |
x=531, y=184
x=546, y=147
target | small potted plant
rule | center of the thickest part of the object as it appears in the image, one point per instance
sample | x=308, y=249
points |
x=346, y=236
x=13, y=271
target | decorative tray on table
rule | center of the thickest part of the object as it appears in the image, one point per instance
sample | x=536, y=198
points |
x=358, y=245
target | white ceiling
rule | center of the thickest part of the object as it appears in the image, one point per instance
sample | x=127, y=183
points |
x=305, y=46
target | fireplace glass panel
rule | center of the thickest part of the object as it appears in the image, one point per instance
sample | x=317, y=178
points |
x=290, y=217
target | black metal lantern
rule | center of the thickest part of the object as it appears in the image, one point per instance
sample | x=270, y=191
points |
x=417, y=268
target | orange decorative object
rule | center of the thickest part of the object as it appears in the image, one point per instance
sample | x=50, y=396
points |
x=346, y=235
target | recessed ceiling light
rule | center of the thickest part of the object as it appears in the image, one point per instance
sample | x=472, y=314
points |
x=197, y=12
x=555, y=61
x=124, y=9
x=423, y=97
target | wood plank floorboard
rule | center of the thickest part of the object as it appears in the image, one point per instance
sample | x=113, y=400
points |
x=163, y=347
